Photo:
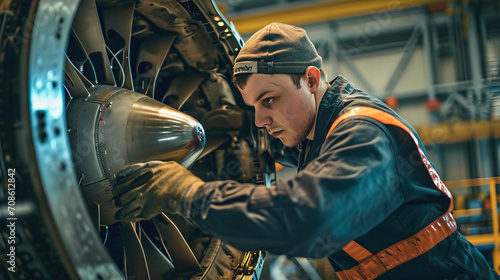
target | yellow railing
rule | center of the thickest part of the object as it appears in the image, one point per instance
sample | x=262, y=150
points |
x=458, y=131
x=482, y=239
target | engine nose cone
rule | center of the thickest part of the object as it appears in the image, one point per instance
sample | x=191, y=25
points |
x=162, y=133
x=115, y=128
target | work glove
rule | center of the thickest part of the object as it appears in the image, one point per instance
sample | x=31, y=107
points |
x=145, y=190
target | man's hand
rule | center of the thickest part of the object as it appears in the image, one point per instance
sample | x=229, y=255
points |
x=145, y=190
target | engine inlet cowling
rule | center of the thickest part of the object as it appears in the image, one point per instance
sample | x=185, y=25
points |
x=114, y=128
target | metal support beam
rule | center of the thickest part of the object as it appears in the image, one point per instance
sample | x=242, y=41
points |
x=405, y=59
x=481, y=108
x=321, y=11
x=333, y=46
x=355, y=71
x=474, y=50
x=428, y=58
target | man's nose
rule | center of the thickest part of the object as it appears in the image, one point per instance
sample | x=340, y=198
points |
x=262, y=118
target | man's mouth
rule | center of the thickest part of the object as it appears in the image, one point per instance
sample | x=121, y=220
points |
x=276, y=133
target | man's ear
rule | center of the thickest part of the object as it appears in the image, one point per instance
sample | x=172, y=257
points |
x=313, y=78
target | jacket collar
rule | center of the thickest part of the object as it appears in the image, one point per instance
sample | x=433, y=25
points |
x=329, y=109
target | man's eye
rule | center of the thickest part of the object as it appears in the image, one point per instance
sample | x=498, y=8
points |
x=269, y=100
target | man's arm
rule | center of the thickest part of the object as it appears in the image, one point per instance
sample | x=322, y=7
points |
x=350, y=188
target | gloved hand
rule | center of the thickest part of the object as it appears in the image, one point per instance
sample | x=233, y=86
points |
x=145, y=190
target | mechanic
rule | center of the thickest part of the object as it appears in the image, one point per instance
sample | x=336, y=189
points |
x=365, y=194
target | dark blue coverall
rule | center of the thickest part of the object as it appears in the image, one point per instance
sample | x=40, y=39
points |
x=363, y=182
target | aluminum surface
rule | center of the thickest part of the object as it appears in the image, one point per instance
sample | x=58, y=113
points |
x=115, y=128
x=77, y=243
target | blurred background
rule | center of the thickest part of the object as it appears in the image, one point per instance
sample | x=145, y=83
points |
x=436, y=63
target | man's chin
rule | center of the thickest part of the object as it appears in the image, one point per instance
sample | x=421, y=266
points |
x=288, y=143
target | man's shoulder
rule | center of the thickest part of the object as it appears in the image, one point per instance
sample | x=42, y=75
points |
x=341, y=85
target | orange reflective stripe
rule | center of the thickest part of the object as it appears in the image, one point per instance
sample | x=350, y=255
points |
x=403, y=251
x=342, y=275
x=389, y=119
x=371, y=266
x=356, y=251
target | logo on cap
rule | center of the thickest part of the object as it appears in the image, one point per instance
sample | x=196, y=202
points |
x=245, y=67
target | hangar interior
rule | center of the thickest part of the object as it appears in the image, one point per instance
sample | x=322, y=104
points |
x=75, y=65
x=436, y=63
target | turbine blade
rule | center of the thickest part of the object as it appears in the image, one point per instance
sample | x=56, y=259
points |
x=95, y=214
x=76, y=83
x=152, y=53
x=158, y=264
x=135, y=260
x=87, y=29
x=182, y=256
x=182, y=87
x=212, y=144
x=117, y=22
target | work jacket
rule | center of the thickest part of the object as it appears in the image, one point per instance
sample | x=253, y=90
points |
x=363, y=186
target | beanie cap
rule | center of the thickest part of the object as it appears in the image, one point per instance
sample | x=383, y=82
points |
x=277, y=48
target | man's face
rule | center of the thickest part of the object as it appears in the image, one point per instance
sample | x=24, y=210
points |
x=287, y=112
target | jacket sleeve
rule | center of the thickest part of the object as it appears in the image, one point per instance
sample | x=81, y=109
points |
x=348, y=189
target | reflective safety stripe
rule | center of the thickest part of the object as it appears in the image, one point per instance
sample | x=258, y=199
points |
x=403, y=251
x=371, y=266
x=356, y=251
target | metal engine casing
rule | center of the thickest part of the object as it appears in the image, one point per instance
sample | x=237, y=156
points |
x=114, y=128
